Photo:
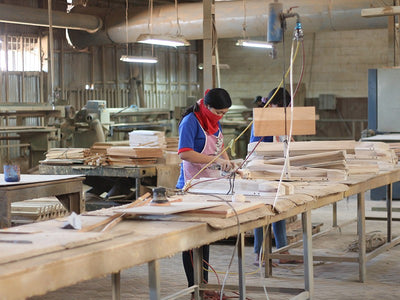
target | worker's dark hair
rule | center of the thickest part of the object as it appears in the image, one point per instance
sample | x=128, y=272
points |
x=278, y=99
x=216, y=98
x=257, y=99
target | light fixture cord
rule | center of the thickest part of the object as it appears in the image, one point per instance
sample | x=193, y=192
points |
x=179, y=31
x=51, y=50
x=126, y=26
x=150, y=23
x=244, y=25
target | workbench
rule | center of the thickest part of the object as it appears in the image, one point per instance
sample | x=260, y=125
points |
x=134, y=172
x=36, y=138
x=75, y=257
x=68, y=189
x=357, y=185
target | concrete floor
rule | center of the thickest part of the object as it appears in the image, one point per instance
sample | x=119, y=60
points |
x=332, y=280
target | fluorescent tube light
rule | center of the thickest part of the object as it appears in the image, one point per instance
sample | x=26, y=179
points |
x=163, y=40
x=253, y=43
x=221, y=66
x=139, y=59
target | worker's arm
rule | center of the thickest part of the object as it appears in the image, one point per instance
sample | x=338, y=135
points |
x=196, y=157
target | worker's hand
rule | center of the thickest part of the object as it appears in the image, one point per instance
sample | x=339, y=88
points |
x=226, y=165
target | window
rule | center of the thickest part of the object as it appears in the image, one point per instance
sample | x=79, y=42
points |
x=23, y=53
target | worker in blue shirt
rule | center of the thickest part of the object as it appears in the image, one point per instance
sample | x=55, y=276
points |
x=200, y=141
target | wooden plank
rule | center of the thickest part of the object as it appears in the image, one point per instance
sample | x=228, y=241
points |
x=47, y=242
x=225, y=210
x=311, y=159
x=271, y=121
x=299, y=148
x=139, y=152
x=380, y=11
x=173, y=208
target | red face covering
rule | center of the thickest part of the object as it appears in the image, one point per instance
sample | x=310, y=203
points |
x=208, y=120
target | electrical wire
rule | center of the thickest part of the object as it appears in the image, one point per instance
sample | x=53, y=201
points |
x=232, y=177
x=233, y=141
x=237, y=239
x=179, y=31
x=289, y=138
x=51, y=50
x=126, y=26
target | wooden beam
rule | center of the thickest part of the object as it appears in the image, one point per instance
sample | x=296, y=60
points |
x=380, y=11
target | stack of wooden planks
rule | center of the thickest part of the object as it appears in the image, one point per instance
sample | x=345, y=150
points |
x=319, y=160
x=117, y=153
x=125, y=156
x=66, y=155
x=98, y=152
x=34, y=210
x=172, y=143
x=147, y=138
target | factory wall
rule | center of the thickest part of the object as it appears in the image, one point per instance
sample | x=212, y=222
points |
x=335, y=63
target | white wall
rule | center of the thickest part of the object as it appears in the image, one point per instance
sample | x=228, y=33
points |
x=336, y=63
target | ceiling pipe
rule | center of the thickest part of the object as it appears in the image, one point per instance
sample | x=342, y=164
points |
x=39, y=17
x=321, y=15
x=84, y=27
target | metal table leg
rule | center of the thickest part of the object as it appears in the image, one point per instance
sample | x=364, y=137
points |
x=361, y=236
x=242, y=276
x=334, y=216
x=307, y=250
x=389, y=196
x=137, y=186
x=267, y=251
x=197, y=270
x=116, y=285
x=154, y=280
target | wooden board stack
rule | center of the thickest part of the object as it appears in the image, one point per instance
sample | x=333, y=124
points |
x=66, y=153
x=171, y=152
x=34, y=210
x=172, y=143
x=319, y=160
x=98, y=152
x=66, y=156
x=125, y=155
x=147, y=138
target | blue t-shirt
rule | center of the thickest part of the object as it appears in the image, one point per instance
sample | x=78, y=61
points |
x=191, y=137
x=266, y=139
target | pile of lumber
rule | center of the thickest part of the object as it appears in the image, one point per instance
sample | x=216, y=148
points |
x=67, y=153
x=147, y=138
x=34, y=210
x=171, y=156
x=319, y=160
x=172, y=144
x=98, y=152
x=66, y=156
x=126, y=155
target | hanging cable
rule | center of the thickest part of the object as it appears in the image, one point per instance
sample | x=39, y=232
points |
x=233, y=141
x=178, y=31
x=126, y=26
x=51, y=50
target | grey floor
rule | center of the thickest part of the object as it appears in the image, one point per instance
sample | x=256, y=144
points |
x=332, y=280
